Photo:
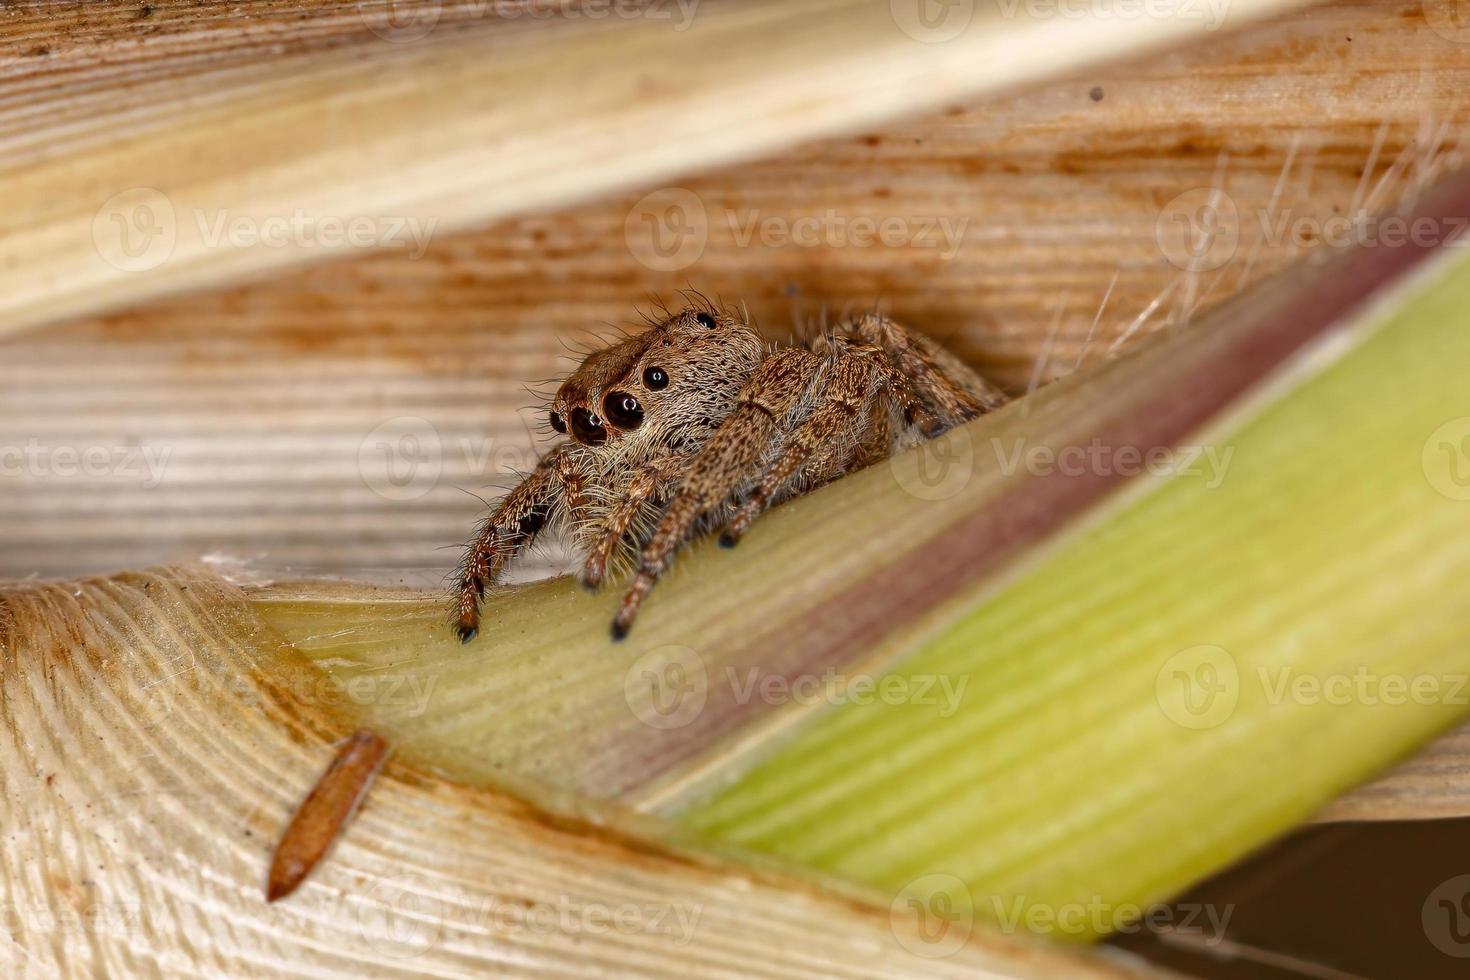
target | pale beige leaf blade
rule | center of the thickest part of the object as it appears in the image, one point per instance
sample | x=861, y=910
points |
x=155, y=735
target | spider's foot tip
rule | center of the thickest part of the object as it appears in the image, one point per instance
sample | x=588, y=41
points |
x=590, y=583
x=619, y=631
x=729, y=539
x=467, y=633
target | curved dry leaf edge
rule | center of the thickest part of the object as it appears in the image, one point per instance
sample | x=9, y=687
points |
x=154, y=739
x=456, y=131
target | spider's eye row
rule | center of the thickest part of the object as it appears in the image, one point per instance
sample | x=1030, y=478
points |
x=656, y=379
x=705, y=320
x=557, y=422
x=588, y=428
x=623, y=410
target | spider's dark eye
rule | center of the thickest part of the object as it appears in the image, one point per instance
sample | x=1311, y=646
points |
x=557, y=422
x=705, y=320
x=623, y=410
x=587, y=428
x=656, y=379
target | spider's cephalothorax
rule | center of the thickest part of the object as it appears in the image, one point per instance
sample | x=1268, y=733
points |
x=697, y=424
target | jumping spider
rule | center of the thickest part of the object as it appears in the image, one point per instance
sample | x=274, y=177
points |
x=697, y=424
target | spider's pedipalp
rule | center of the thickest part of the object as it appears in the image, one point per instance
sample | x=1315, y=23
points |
x=642, y=492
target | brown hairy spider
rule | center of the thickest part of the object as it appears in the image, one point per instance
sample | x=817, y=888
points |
x=697, y=424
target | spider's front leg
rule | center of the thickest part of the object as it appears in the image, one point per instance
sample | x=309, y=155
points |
x=725, y=462
x=555, y=484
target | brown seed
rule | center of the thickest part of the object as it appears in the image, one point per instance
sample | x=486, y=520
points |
x=325, y=811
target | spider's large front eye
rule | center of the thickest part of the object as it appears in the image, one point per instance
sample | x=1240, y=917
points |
x=557, y=422
x=623, y=410
x=705, y=320
x=656, y=379
x=588, y=428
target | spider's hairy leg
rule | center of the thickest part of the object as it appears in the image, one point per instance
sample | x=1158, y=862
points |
x=953, y=391
x=511, y=528
x=642, y=490
x=831, y=438
x=839, y=418
x=724, y=463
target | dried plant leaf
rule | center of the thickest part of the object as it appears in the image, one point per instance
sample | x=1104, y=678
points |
x=455, y=132
x=157, y=735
